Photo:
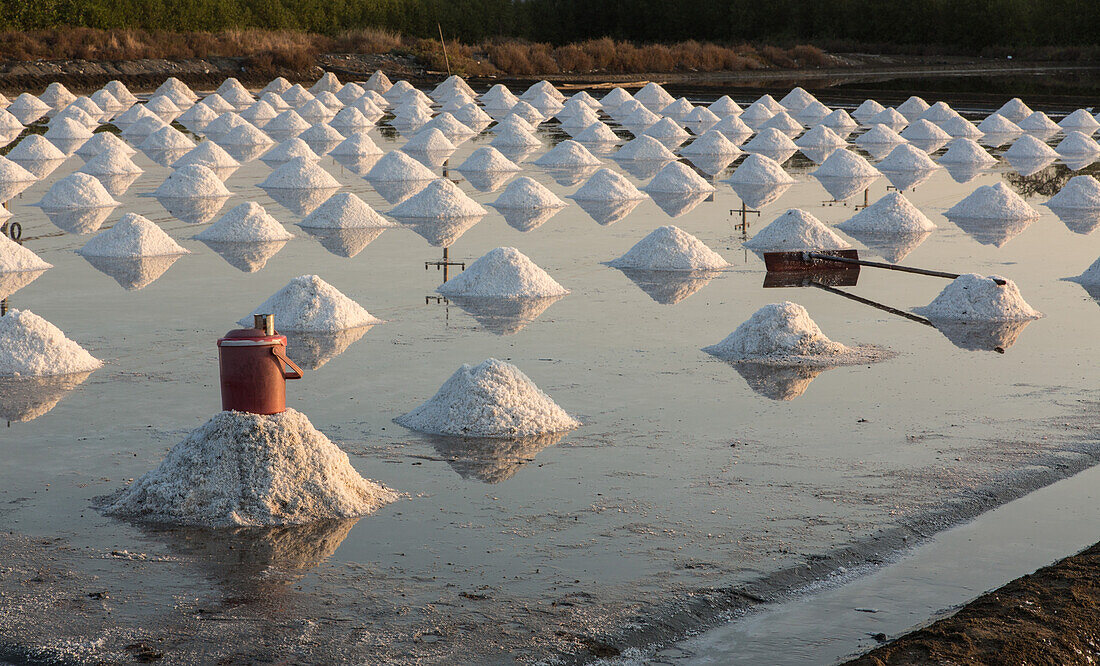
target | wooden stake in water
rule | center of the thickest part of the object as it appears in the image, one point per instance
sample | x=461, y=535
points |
x=444, y=43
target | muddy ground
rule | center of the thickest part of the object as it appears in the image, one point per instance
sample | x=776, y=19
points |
x=1049, y=617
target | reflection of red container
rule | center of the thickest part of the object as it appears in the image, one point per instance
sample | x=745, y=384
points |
x=253, y=371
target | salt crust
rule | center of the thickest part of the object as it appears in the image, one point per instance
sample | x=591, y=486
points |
x=972, y=297
x=193, y=181
x=397, y=166
x=503, y=272
x=1079, y=193
x=15, y=258
x=308, y=304
x=30, y=345
x=300, y=173
x=796, y=230
x=784, y=334
x=245, y=223
x=892, y=214
x=528, y=194
x=493, y=399
x=77, y=190
x=439, y=200
x=488, y=160
x=606, y=186
x=669, y=248
x=132, y=236
x=345, y=210
x=244, y=469
x=677, y=178
x=996, y=202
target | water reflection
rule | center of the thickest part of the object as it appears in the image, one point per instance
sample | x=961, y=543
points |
x=778, y=382
x=396, y=191
x=78, y=220
x=526, y=219
x=27, y=398
x=13, y=281
x=300, y=200
x=40, y=168
x=995, y=336
x=133, y=273
x=345, y=242
x=1077, y=220
x=442, y=233
x=669, y=287
x=758, y=196
x=891, y=247
x=488, y=181
x=360, y=165
x=905, y=180
x=641, y=169
x=166, y=157
x=193, y=210
x=247, y=152
x=117, y=184
x=963, y=173
x=607, y=212
x=841, y=188
x=570, y=176
x=504, y=316
x=675, y=205
x=989, y=231
x=712, y=165
x=247, y=257
x=1028, y=166
x=491, y=460
x=313, y=350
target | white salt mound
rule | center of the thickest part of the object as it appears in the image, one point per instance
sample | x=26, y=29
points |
x=845, y=164
x=568, y=153
x=30, y=345
x=132, y=236
x=796, y=230
x=488, y=160
x=1090, y=277
x=607, y=186
x=396, y=166
x=209, y=155
x=246, y=223
x=494, y=399
x=193, y=181
x=644, y=148
x=111, y=162
x=760, y=170
x=669, y=248
x=300, y=173
x=892, y=214
x=308, y=304
x=244, y=469
x=1028, y=147
x=439, y=200
x=14, y=258
x=345, y=210
x=906, y=158
x=1080, y=193
x=504, y=272
x=966, y=151
x=677, y=178
x=781, y=334
x=528, y=194
x=996, y=202
x=77, y=190
x=972, y=297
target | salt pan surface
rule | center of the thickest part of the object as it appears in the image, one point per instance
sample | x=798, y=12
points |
x=493, y=399
x=30, y=345
x=669, y=248
x=132, y=236
x=973, y=297
x=251, y=469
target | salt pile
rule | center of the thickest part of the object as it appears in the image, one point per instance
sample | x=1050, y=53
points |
x=68, y=129
x=111, y=162
x=796, y=230
x=14, y=258
x=640, y=119
x=139, y=130
x=77, y=191
x=889, y=117
x=57, y=96
x=677, y=109
x=783, y=122
x=526, y=193
x=645, y=148
x=957, y=126
x=286, y=125
x=132, y=236
x=867, y=110
x=938, y=112
x=892, y=214
x=353, y=118
x=300, y=173
x=358, y=144
x=845, y=164
x=167, y=138
x=784, y=334
x=972, y=297
x=1028, y=147
x=819, y=137
x=210, y=155
x=568, y=153
x=322, y=138
x=677, y=178
x=666, y=129
x=839, y=120
x=1038, y=123
x=760, y=170
x=1091, y=276
x=1079, y=121
x=1080, y=193
x=246, y=135
x=259, y=113
x=966, y=151
x=669, y=248
x=906, y=158
x=430, y=140
x=99, y=142
x=246, y=223
x=913, y=107
x=756, y=114
x=243, y=469
x=725, y=106
x=120, y=92
x=607, y=186
x=163, y=108
x=504, y=272
x=344, y=211
x=378, y=82
x=30, y=345
x=193, y=181
x=880, y=135
x=925, y=130
x=327, y=83
x=701, y=117
x=772, y=143
x=711, y=143
x=28, y=108
x=396, y=166
x=994, y=202
x=733, y=128
x=1014, y=110
x=998, y=124
x=494, y=399
x=439, y=200
x=514, y=137
x=175, y=86
x=288, y=150
x=13, y=179
x=197, y=118
x=450, y=127
x=1077, y=144
x=488, y=160
x=308, y=304
x=614, y=99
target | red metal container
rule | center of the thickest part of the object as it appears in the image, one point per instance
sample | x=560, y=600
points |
x=254, y=370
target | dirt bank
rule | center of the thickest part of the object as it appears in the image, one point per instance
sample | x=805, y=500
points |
x=1049, y=617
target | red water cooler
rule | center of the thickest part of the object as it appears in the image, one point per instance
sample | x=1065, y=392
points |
x=254, y=368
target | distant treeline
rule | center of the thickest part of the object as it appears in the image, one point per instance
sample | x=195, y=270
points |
x=963, y=26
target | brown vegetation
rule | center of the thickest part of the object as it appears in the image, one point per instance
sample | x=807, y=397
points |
x=271, y=50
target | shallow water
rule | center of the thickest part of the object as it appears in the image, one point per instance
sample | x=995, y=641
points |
x=687, y=473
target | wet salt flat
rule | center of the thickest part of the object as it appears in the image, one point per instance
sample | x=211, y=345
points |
x=689, y=475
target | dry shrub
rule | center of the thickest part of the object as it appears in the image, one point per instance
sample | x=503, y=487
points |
x=369, y=40
x=777, y=56
x=572, y=58
x=511, y=57
x=810, y=56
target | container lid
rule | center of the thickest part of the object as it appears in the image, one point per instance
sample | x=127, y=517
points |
x=247, y=337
